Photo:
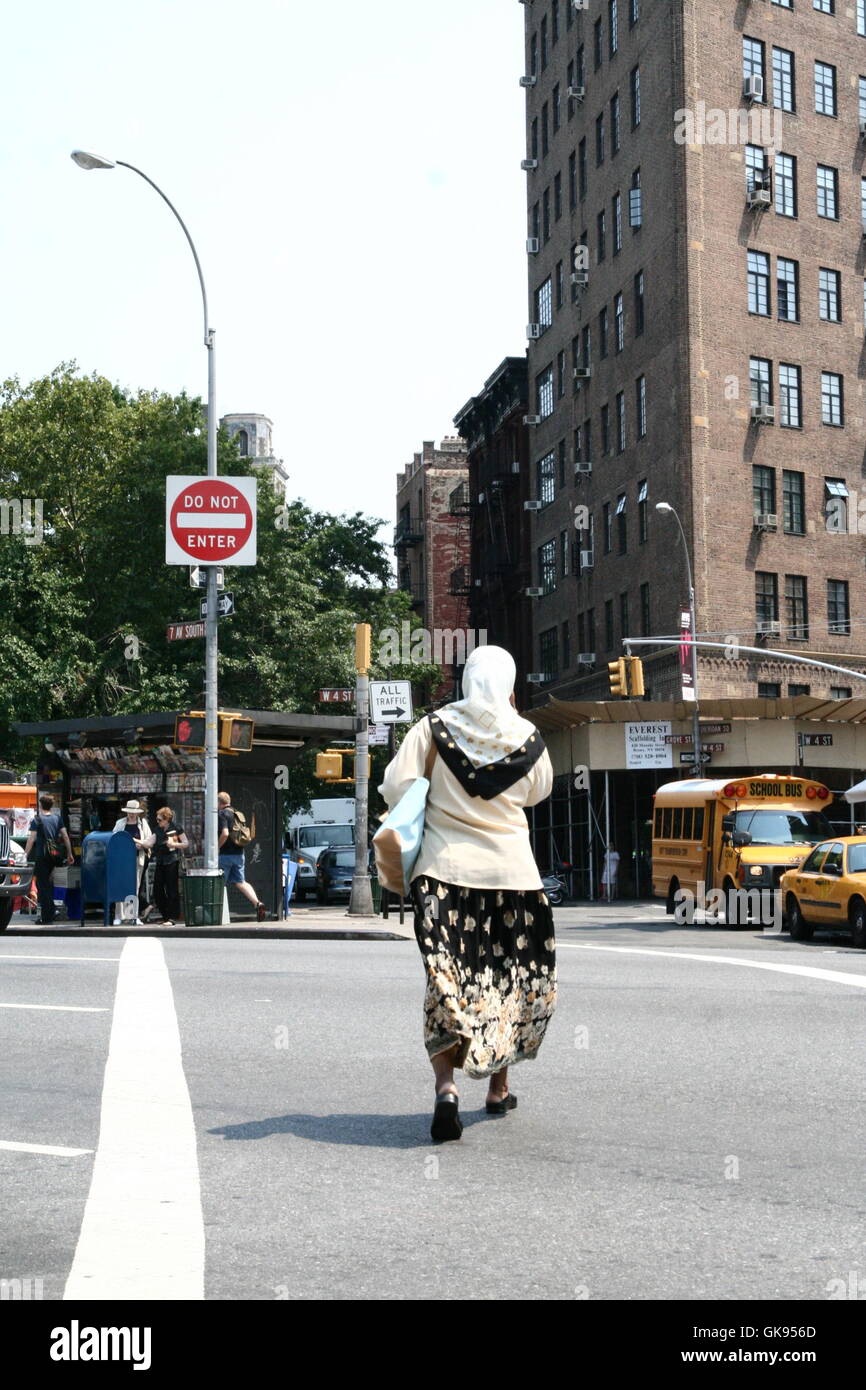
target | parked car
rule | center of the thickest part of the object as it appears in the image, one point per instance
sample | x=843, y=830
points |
x=334, y=871
x=15, y=874
x=828, y=890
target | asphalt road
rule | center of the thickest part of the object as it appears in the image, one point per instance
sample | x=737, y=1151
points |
x=691, y=1128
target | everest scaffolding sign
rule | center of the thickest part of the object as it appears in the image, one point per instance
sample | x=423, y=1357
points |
x=210, y=521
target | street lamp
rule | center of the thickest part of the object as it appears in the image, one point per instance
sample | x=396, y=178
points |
x=696, y=737
x=86, y=159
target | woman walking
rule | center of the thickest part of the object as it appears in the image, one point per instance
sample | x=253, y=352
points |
x=482, y=920
x=167, y=841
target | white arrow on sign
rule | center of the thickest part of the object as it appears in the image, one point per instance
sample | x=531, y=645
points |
x=225, y=605
x=391, y=702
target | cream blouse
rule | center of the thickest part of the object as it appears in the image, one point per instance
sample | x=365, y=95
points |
x=467, y=840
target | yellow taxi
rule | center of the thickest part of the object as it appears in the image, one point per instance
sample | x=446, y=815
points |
x=828, y=890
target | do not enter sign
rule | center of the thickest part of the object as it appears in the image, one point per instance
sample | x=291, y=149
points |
x=210, y=521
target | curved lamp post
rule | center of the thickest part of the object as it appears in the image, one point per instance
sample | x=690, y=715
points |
x=696, y=736
x=86, y=159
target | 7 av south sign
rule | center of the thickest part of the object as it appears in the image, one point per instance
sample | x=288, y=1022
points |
x=210, y=521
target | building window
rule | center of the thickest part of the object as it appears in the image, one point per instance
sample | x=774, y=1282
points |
x=544, y=392
x=587, y=345
x=840, y=692
x=621, y=527
x=562, y=461
x=608, y=625
x=557, y=197
x=827, y=191
x=760, y=381
x=623, y=614
x=590, y=629
x=544, y=43
x=793, y=503
x=545, y=214
x=587, y=440
x=605, y=430
x=758, y=274
x=825, y=6
x=619, y=322
x=783, y=79
x=638, y=303
x=861, y=17
x=560, y=285
x=581, y=167
x=544, y=304
x=607, y=528
x=753, y=59
x=554, y=21
x=832, y=410
x=861, y=99
x=533, y=56
x=616, y=208
x=560, y=374
x=599, y=139
x=756, y=167
x=563, y=554
x=548, y=657
x=788, y=289
x=243, y=443
x=763, y=490
x=829, y=295
x=766, y=598
x=825, y=89
x=613, y=25
x=536, y=221
x=790, y=416
x=600, y=235
x=796, y=608
x=645, y=622
x=614, y=123
x=597, y=46
x=640, y=406
x=838, y=611
x=784, y=4
x=545, y=483
x=863, y=203
x=602, y=333
x=836, y=505
x=572, y=180
x=796, y=688
x=547, y=566
x=533, y=139
x=580, y=71
x=545, y=134
x=621, y=439
x=566, y=647
x=634, y=89
x=769, y=690
x=642, y=512
x=635, y=202
x=785, y=172
x=633, y=12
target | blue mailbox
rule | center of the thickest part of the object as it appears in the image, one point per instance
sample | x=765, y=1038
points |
x=109, y=872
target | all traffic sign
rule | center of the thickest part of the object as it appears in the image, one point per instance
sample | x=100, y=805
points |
x=391, y=702
x=210, y=521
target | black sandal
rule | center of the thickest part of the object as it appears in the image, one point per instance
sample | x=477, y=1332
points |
x=446, y=1120
x=501, y=1107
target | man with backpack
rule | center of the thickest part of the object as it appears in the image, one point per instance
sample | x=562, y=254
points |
x=49, y=839
x=234, y=835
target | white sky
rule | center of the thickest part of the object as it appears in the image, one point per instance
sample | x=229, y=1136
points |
x=350, y=173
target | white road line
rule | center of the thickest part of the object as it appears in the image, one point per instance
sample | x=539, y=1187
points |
x=43, y=1149
x=142, y=1236
x=836, y=977
x=9, y=956
x=58, y=1008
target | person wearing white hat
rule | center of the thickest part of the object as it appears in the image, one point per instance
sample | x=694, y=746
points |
x=134, y=823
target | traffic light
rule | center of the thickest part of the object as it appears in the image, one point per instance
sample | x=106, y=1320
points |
x=618, y=677
x=634, y=673
x=329, y=766
x=189, y=731
x=363, y=633
x=235, y=733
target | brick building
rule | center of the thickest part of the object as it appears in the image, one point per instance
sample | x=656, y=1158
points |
x=500, y=568
x=696, y=197
x=431, y=542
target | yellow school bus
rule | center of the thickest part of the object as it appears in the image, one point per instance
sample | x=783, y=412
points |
x=733, y=834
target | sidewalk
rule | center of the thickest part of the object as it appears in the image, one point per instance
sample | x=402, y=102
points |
x=304, y=924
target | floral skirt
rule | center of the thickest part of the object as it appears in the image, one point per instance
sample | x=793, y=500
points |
x=490, y=957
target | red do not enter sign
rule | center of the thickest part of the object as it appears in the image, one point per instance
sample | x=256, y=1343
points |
x=210, y=521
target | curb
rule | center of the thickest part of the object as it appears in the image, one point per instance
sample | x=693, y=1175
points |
x=217, y=933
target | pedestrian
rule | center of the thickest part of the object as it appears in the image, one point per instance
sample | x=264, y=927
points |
x=134, y=823
x=482, y=920
x=47, y=840
x=231, y=855
x=167, y=841
x=610, y=873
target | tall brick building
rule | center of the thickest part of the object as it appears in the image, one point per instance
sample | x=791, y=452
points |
x=706, y=349
x=501, y=561
x=431, y=542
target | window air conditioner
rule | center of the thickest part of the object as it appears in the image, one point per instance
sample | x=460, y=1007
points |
x=576, y=93
x=766, y=521
x=582, y=373
x=538, y=677
x=586, y=659
x=759, y=197
x=527, y=164
x=580, y=277
x=769, y=629
x=533, y=593
x=533, y=245
x=587, y=559
x=863, y=130
x=763, y=414
x=753, y=87
x=533, y=506
x=534, y=330
x=532, y=419
x=529, y=81
x=583, y=466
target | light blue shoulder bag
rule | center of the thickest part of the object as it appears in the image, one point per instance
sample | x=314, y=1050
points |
x=397, y=842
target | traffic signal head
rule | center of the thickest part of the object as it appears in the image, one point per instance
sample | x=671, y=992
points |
x=617, y=676
x=634, y=672
x=235, y=733
x=189, y=730
x=363, y=637
x=329, y=766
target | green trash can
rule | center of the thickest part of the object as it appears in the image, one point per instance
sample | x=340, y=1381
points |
x=377, y=894
x=203, y=897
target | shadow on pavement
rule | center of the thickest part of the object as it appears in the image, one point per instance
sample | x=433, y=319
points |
x=365, y=1131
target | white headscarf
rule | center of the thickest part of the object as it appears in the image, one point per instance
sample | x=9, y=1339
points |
x=484, y=723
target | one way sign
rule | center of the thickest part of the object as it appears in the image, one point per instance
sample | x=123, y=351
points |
x=225, y=606
x=391, y=702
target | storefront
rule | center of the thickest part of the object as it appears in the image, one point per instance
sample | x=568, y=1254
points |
x=93, y=767
x=610, y=756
